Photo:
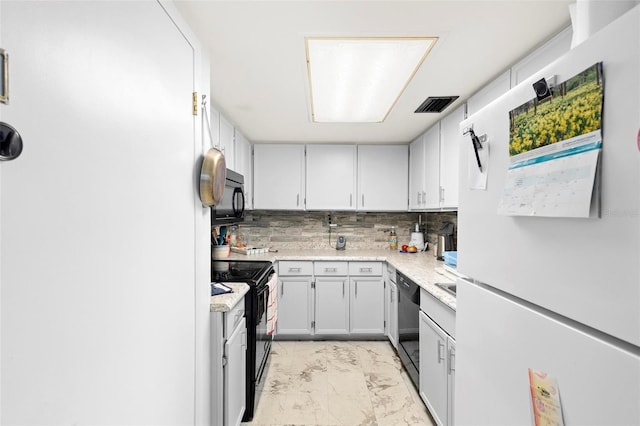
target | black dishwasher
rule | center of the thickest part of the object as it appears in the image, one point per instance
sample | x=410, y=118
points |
x=409, y=326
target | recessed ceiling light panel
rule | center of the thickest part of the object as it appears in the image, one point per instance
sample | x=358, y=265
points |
x=359, y=80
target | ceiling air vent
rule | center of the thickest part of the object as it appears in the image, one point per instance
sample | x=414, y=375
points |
x=436, y=103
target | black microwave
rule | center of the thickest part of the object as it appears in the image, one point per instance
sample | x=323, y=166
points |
x=230, y=209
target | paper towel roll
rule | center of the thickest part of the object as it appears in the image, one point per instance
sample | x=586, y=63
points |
x=417, y=240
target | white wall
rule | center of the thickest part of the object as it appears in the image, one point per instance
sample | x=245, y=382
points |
x=104, y=250
x=202, y=227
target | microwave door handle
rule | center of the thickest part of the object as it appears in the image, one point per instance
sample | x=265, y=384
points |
x=237, y=212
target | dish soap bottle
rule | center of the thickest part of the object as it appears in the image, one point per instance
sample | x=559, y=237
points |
x=393, y=239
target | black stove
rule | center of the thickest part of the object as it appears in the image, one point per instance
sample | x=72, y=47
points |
x=248, y=271
x=257, y=275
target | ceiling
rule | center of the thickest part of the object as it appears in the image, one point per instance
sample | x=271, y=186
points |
x=259, y=75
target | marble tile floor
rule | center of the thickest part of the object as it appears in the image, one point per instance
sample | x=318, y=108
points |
x=338, y=383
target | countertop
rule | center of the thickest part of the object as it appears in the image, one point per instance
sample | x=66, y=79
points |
x=422, y=268
x=226, y=302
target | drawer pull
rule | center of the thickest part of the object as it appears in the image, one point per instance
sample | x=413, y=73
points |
x=365, y=270
x=331, y=269
x=295, y=269
x=440, y=350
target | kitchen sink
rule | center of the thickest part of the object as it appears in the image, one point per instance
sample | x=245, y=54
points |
x=448, y=287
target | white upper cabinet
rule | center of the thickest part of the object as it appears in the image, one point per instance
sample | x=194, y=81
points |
x=278, y=176
x=227, y=143
x=424, y=170
x=383, y=173
x=331, y=177
x=416, y=173
x=431, y=194
x=244, y=166
x=451, y=139
x=489, y=93
x=434, y=161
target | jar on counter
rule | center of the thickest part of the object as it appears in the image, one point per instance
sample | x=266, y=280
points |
x=237, y=238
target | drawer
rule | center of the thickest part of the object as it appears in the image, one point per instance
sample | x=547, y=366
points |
x=233, y=318
x=440, y=313
x=365, y=269
x=294, y=268
x=323, y=268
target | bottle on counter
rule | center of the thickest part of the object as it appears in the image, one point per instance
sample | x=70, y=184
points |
x=393, y=239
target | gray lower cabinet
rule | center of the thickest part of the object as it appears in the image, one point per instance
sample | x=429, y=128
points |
x=295, y=298
x=228, y=365
x=330, y=298
x=391, y=300
x=437, y=358
x=332, y=305
x=235, y=373
x=295, y=305
x=367, y=305
x=392, y=324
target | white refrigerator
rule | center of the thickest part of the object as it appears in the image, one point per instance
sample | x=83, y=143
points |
x=560, y=296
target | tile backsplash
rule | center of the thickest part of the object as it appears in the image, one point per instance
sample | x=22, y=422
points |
x=309, y=230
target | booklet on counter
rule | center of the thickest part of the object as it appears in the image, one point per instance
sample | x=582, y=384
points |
x=219, y=288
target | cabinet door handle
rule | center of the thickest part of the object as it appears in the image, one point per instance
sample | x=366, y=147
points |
x=424, y=197
x=440, y=354
x=342, y=288
x=419, y=198
x=452, y=362
x=356, y=288
x=282, y=289
x=297, y=200
x=362, y=200
x=350, y=200
x=441, y=193
x=391, y=296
